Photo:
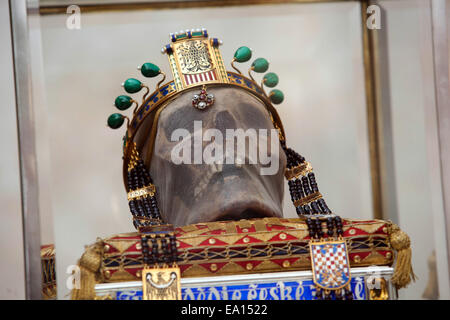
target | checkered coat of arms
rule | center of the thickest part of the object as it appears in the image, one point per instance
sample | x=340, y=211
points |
x=330, y=265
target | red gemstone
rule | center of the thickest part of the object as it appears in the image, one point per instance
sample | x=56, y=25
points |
x=202, y=97
x=203, y=92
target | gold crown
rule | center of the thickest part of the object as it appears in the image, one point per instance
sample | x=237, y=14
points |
x=195, y=61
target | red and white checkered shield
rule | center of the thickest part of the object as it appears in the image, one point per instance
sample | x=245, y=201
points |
x=330, y=265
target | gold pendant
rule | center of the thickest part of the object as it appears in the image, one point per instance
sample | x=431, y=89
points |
x=161, y=283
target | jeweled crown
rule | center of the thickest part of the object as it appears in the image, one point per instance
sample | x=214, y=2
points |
x=195, y=61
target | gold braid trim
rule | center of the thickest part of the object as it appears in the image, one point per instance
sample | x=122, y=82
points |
x=89, y=272
x=403, y=271
x=134, y=157
x=280, y=133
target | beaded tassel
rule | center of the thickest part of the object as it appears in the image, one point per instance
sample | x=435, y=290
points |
x=302, y=185
x=144, y=208
x=165, y=253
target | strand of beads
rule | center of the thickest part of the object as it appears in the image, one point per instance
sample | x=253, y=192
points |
x=173, y=248
x=302, y=185
x=159, y=249
x=144, y=208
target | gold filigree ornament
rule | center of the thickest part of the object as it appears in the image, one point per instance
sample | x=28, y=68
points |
x=147, y=190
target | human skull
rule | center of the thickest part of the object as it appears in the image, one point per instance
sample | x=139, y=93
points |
x=192, y=193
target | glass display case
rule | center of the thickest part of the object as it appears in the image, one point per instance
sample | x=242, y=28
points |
x=366, y=100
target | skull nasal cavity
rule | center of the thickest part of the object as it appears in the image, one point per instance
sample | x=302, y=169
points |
x=224, y=120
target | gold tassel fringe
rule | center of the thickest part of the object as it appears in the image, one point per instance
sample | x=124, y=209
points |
x=89, y=267
x=403, y=271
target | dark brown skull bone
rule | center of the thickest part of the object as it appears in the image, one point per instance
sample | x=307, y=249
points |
x=192, y=193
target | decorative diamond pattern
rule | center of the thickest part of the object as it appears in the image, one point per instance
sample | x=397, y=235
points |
x=265, y=250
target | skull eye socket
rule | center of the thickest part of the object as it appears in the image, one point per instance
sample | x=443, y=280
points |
x=182, y=118
x=223, y=120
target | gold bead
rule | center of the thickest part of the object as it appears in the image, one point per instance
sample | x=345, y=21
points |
x=385, y=230
x=138, y=246
x=138, y=274
x=286, y=264
x=107, y=274
x=388, y=255
x=178, y=244
x=212, y=241
x=249, y=266
x=283, y=236
x=107, y=247
x=213, y=267
x=357, y=259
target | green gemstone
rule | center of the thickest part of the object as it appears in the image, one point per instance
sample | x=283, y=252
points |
x=115, y=120
x=260, y=65
x=132, y=85
x=150, y=70
x=243, y=54
x=276, y=96
x=123, y=102
x=270, y=79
